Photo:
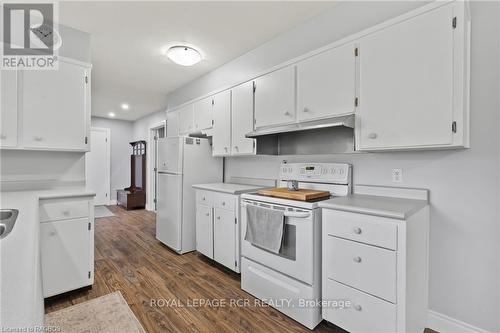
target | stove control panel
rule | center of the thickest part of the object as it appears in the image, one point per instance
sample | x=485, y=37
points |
x=335, y=173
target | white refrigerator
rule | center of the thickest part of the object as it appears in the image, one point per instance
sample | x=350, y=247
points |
x=182, y=162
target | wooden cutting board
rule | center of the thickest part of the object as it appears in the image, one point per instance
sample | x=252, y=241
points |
x=300, y=194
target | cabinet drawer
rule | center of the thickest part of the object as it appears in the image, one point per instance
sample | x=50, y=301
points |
x=224, y=201
x=204, y=197
x=364, y=267
x=367, y=229
x=63, y=209
x=365, y=314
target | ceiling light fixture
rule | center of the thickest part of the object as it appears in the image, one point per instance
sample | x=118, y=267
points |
x=125, y=106
x=111, y=114
x=184, y=55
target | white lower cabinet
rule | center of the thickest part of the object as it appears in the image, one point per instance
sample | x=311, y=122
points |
x=66, y=244
x=378, y=268
x=218, y=227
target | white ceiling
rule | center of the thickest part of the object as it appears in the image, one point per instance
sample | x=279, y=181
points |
x=128, y=39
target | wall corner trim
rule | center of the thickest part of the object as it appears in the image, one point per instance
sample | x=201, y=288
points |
x=444, y=324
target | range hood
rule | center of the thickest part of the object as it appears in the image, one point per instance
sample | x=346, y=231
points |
x=345, y=120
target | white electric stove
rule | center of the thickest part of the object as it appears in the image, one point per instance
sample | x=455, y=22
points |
x=291, y=280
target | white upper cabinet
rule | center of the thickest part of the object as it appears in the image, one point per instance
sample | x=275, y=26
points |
x=221, y=139
x=242, y=119
x=412, y=90
x=172, y=124
x=56, y=108
x=203, y=114
x=186, y=119
x=275, y=98
x=8, y=105
x=326, y=84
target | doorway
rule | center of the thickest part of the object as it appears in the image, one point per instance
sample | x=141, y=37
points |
x=157, y=132
x=97, y=165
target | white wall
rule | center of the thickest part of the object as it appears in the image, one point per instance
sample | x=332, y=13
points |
x=464, y=184
x=142, y=126
x=121, y=135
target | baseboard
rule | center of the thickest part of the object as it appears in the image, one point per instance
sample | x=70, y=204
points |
x=444, y=324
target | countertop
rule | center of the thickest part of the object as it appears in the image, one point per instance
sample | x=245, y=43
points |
x=228, y=187
x=21, y=293
x=375, y=205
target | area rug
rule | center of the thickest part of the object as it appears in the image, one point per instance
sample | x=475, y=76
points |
x=102, y=211
x=106, y=314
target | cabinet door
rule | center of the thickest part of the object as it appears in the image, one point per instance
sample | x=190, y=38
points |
x=8, y=104
x=55, y=108
x=65, y=255
x=222, y=124
x=172, y=124
x=186, y=121
x=275, y=98
x=242, y=119
x=326, y=84
x=406, y=83
x=204, y=231
x=225, y=237
x=203, y=114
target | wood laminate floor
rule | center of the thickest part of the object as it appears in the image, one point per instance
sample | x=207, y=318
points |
x=128, y=258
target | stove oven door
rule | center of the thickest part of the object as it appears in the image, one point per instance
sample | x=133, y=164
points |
x=296, y=257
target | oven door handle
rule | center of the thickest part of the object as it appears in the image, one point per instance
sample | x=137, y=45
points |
x=302, y=215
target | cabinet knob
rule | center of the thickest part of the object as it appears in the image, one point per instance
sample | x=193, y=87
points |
x=357, y=230
x=52, y=233
x=218, y=217
x=223, y=203
x=207, y=214
x=65, y=212
x=236, y=147
x=204, y=199
x=38, y=138
x=357, y=307
x=286, y=113
x=3, y=136
x=225, y=148
x=372, y=135
x=357, y=259
x=305, y=110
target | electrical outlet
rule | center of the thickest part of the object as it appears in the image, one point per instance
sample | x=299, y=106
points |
x=397, y=175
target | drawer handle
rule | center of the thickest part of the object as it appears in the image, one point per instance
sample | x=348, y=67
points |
x=223, y=203
x=357, y=307
x=357, y=230
x=357, y=259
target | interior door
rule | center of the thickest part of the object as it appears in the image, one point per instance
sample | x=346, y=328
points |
x=204, y=231
x=326, y=84
x=224, y=237
x=54, y=109
x=65, y=250
x=8, y=108
x=97, y=166
x=222, y=124
x=242, y=119
x=275, y=98
x=406, y=83
x=169, y=213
